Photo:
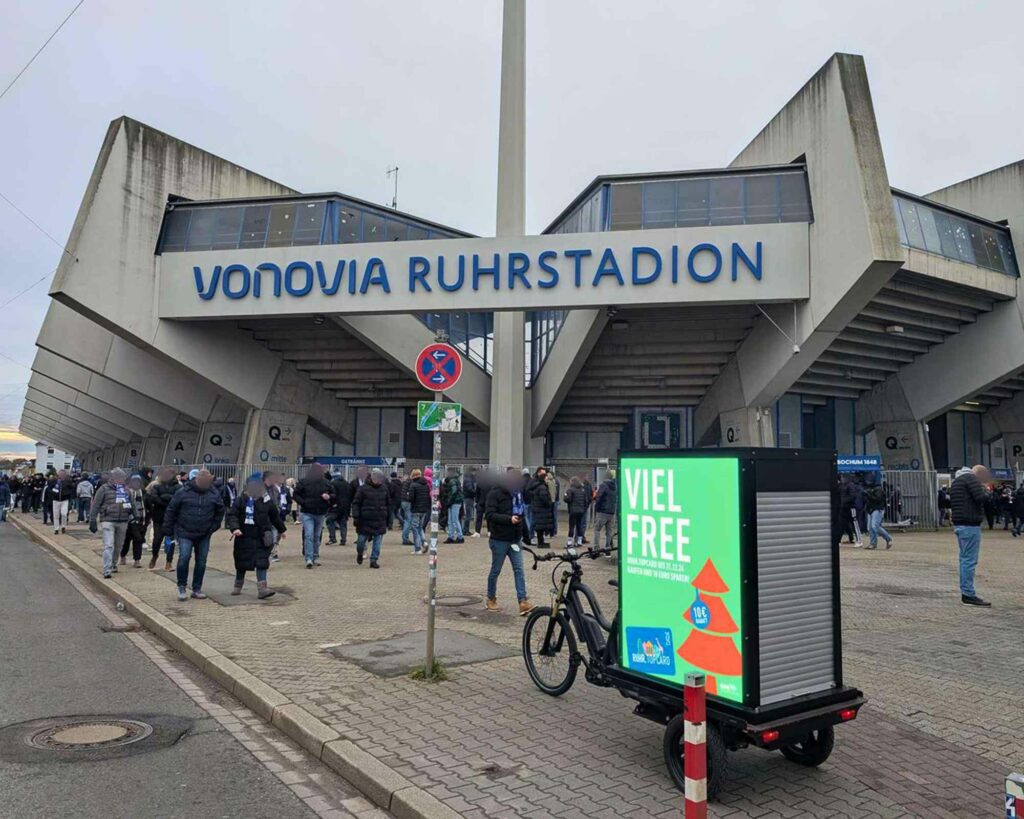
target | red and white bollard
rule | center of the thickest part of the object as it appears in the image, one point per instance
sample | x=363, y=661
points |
x=1015, y=796
x=695, y=753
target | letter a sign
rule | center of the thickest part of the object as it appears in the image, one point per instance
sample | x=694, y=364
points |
x=438, y=367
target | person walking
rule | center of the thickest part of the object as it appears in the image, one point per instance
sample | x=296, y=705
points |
x=83, y=492
x=1017, y=508
x=555, y=490
x=256, y=525
x=5, y=498
x=505, y=510
x=968, y=498
x=51, y=481
x=314, y=495
x=874, y=504
x=406, y=512
x=62, y=490
x=537, y=496
x=135, y=531
x=419, y=509
x=158, y=497
x=370, y=516
x=470, y=498
x=605, y=508
x=229, y=492
x=576, y=502
x=944, y=506
x=453, y=500
x=111, y=508
x=341, y=509
x=394, y=500
x=193, y=515
x=847, y=512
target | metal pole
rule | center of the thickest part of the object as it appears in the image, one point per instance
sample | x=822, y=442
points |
x=435, y=514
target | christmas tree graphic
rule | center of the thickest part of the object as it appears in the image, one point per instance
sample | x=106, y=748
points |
x=710, y=646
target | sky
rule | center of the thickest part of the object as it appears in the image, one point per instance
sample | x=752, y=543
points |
x=325, y=95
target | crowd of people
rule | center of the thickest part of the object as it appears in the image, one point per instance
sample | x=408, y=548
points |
x=176, y=513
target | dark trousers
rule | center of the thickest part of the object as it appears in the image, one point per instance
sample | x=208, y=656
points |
x=576, y=529
x=158, y=537
x=134, y=537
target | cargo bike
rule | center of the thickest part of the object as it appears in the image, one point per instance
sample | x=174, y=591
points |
x=727, y=567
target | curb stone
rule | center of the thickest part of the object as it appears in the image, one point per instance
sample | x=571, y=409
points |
x=375, y=780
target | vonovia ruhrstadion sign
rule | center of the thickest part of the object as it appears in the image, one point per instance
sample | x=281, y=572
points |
x=712, y=265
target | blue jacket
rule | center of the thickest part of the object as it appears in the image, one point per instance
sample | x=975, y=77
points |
x=192, y=514
x=606, y=498
x=5, y=494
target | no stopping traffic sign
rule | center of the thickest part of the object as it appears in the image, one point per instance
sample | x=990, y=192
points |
x=438, y=367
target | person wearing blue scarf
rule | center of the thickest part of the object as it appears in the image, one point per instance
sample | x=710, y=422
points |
x=252, y=519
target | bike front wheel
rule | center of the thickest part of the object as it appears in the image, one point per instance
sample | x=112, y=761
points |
x=549, y=650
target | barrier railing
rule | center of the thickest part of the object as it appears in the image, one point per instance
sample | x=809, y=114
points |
x=911, y=499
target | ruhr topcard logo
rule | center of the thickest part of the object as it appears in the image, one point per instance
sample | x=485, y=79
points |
x=651, y=649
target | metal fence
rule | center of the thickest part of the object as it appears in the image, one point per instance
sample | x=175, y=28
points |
x=911, y=499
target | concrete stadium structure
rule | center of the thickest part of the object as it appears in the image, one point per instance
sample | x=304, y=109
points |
x=205, y=313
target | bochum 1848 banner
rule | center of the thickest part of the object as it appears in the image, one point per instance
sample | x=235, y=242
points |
x=679, y=562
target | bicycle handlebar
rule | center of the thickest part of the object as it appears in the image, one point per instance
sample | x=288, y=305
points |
x=569, y=556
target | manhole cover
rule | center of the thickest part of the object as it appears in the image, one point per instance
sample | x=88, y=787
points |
x=89, y=734
x=459, y=600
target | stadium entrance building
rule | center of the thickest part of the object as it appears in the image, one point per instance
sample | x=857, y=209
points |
x=791, y=298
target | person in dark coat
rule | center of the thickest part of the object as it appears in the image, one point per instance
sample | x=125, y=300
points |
x=193, y=515
x=847, y=503
x=158, y=497
x=968, y=497
x=253, y=519
x=605, y=509
x=577, y=501
x=394, y=500
x=337, y=518
x=5, y=499
x=418, y=492
x=505, y=510
x=370, y=515
x=538, y=498
x=1017, y=508
x=314, y=495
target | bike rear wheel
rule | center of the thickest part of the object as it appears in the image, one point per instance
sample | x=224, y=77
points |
x=549, y=650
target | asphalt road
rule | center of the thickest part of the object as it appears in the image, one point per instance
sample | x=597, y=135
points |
x=56, y=660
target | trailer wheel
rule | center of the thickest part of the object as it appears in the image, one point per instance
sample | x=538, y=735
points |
x=672, y=747
x=552, y=669
x=813, y=749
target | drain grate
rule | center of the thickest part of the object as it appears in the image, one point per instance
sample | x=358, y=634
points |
x=86, y=734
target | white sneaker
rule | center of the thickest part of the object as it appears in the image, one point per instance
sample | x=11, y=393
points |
x=476, y=534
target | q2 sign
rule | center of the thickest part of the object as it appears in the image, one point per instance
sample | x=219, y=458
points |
x=438, y=367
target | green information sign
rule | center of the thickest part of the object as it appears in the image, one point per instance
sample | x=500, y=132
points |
x=679, y=570
x=438, y=416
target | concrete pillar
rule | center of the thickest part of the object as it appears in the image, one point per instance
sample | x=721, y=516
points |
x=1008, y=418
x=510, y=422
x=747, y=426
x=902, y=439
x=221, y=442
x=181, y=448
x=153, y=450
x=274, y=437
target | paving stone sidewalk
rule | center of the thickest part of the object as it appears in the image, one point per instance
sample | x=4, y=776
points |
x=943, y=726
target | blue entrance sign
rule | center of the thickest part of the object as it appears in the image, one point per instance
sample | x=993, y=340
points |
x=438, y=367
x=859, y=463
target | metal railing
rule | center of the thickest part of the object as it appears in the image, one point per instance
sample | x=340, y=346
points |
x=911, y=499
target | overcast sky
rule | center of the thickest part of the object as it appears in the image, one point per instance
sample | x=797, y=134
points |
x=326, y=95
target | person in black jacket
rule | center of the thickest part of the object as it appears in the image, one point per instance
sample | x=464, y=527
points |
x=418, y=493
x=314, y=495
x=576, y=501
x=59, y=495
x=605, y=507
x=192, y=516
x=394, y=500
x=538, y=497
x=158, y=497
x=253, y=519
x=1017, y=508
x=505, y=511
x=967, y=496
x=874, y=504
x=370, y=515
x=341, y=508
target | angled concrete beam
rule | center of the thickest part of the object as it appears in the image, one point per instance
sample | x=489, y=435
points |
x=76, y=414
x=56, y=425
x=572, y=347
x=43, y=434
x=854, y=247
x=83, y=431
x=73, y=397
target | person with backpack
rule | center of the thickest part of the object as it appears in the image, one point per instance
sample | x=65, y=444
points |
x=256, y=524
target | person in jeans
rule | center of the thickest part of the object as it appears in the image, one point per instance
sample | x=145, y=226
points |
x=968, y=497
x=451, y=496
x=112, y=506
x=370, y=515
x=5, y=498
x=874, y=503
x=419, y=509
x=406, y=512
x=470, y=487
x=83, y=493
x=576, y=501
x=505, y=510
x=341, y=509
x=192, y=516
x=256, y=525
x=314, y=496
x=604, y=511
x=158, y=497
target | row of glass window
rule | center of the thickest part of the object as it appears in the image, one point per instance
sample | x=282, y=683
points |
x=955, y=237
x=587, y=217
x=473, y=335
x=287, y=224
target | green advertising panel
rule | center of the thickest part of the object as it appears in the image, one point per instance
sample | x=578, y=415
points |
x=679, y=570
